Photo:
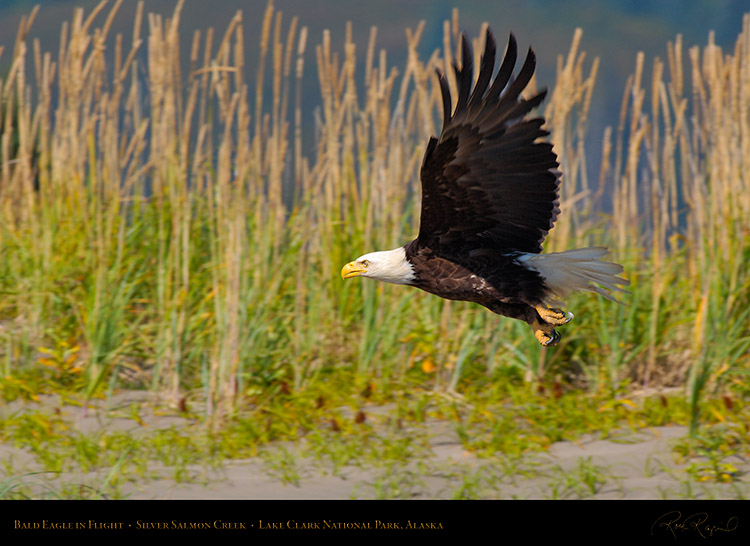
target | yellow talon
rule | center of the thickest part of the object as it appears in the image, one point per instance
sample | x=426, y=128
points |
x=556, y=317
x=545, y=334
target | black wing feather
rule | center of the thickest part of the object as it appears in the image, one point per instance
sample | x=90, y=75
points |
x=506, y=69
x=485, y=74
x=489, y=184
x=464, y=77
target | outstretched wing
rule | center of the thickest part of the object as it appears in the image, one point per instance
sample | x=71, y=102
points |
x=489, y=184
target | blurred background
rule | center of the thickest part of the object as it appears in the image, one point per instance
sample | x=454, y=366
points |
x=613, y=30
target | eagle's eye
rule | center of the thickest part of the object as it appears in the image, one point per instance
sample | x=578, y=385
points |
x=365, y=263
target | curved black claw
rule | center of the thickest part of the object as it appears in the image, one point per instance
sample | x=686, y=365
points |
x=547, y=337
x=554, y=340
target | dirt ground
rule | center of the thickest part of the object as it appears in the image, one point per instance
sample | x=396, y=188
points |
x=634, y=465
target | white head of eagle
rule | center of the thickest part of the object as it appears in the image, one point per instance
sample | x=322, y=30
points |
x=385, y=265
x=490, y=194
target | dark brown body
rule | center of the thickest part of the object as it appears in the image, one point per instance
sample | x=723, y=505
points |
x=500, y=283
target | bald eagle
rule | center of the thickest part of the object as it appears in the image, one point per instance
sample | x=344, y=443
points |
x=489, y=196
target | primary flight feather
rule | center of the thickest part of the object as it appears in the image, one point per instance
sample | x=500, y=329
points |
x=489, y=197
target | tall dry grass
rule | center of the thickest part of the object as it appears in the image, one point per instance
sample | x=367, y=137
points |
x=145, y=233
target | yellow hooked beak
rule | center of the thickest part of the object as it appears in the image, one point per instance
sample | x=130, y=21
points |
x=352, y=269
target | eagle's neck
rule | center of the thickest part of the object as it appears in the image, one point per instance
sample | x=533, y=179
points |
x=391, y=266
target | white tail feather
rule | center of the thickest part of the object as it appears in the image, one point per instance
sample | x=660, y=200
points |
x=575, y=270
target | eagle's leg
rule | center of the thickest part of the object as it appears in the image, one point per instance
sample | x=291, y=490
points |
x=553, y=316
x=543, y=330
x=545, y=333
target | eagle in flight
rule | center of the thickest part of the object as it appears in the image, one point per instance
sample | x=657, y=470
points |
x=490, y=194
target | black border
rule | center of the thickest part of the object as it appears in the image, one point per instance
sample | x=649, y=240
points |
x=678, y=521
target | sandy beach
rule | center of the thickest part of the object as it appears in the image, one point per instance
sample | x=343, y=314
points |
x=638, y=464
